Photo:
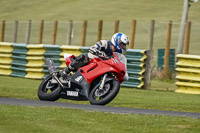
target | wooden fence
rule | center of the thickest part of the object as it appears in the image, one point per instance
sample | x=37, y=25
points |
x=99, y=35
x=84, y=32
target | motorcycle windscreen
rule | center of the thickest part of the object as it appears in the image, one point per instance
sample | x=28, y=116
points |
x=123, y=59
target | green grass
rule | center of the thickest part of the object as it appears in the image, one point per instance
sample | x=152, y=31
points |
x=23, y=119
x=128, y=97
x=93, y=10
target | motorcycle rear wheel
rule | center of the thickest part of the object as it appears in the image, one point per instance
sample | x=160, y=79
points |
x=48, y=92
x=98, y=98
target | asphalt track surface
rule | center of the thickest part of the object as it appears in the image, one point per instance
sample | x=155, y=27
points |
x=109, y=109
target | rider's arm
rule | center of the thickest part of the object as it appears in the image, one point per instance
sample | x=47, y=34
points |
x=98, y=49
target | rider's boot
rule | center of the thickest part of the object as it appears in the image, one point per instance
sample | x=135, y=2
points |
x=66, y=71
x=81, y=60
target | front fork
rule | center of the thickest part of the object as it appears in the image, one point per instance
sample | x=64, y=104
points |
x=103, y=82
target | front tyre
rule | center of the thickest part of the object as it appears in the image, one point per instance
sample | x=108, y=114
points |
x=48, y=91
x=107, y=94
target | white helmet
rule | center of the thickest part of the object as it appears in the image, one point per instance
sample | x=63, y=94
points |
x=120, y=40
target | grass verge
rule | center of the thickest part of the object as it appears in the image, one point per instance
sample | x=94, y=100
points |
x=23, y=119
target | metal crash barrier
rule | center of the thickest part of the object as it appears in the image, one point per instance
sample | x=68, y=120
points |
x=28, y=61
x=135, y=67
x=188, y=74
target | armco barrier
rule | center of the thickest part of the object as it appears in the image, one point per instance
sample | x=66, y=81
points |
x=135, y=67
x=188, y=74
x=28, y=61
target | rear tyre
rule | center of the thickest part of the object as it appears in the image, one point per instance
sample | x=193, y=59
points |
x=48, y=91
x=105, y=95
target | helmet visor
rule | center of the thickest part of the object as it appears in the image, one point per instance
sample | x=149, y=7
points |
x=123, y=46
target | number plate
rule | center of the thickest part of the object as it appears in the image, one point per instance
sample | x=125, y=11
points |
x=72, y=93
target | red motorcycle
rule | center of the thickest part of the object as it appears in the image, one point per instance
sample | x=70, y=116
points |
x=99, y=81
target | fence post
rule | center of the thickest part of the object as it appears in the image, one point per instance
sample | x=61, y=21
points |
x=3, y=26
x=54, y=32
x=100, y=25
x=132, y=37
x=147, y=74
x=70, y=32
x=15, y=31
x=167, y=49
x=41, y=32
x=28, y=33
x=84, y=28
x=152, y=26
x=116, y=26
x=187, y=37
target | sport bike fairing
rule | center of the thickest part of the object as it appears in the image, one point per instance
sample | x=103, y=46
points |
x=98, y=67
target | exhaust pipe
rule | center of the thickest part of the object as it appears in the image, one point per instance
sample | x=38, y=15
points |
x=52, y=69
x=51, y=66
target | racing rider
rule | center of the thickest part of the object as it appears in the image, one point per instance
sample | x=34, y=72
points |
x=103, y=49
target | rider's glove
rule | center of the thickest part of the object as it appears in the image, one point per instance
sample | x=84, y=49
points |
x=98, y=53
x=93, y=50
x=102, y=55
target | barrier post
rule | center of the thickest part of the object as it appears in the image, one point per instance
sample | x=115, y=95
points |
x=187, y=38
x=84, y=28
x=147, y=74
x=149, y=53
x=132, y=37
x=100, y=25
x=116, y=26
x=55, y=32
x=167, y=49
x=15, y=31
x=3, y=26
x=28, y=33
x=41, y=31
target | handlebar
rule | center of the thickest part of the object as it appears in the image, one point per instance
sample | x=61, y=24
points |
x=106, y=58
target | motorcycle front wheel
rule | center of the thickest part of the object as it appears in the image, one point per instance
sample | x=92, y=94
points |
x=105, y=95
x=48, y=91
